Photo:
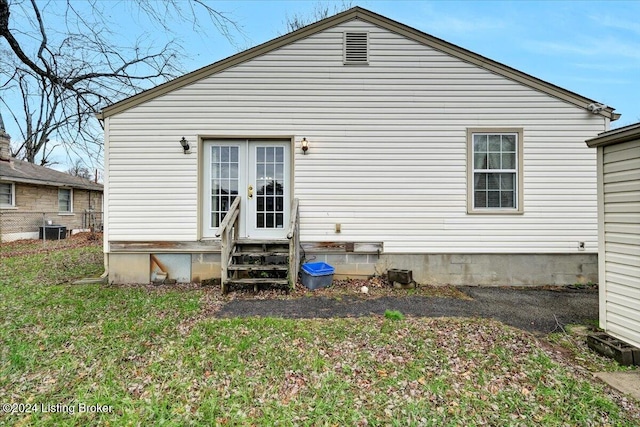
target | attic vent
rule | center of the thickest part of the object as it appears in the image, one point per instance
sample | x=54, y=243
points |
x=356, y=48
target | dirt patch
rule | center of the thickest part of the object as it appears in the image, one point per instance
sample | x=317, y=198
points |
x=35, y=246
x=534, y=310
x=376, y=287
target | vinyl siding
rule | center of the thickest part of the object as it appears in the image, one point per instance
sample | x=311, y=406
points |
x=621, y=188
x=387, y=157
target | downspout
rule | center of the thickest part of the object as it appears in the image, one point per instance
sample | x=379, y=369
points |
x=105, y=128
x=105, y=276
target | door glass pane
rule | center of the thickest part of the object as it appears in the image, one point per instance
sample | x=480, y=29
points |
x=270, y=167
x=261, y=186
x=224, y=170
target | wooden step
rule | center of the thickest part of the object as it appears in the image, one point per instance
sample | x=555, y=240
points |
x=258, y=267
x=259, y=253
x=262, y=242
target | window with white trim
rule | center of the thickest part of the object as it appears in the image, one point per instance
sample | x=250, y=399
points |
x=495, y=176
x=7, y=195
x=65, y=200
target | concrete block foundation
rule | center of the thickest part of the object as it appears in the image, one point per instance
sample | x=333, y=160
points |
x=205, y=266
x=432, y=269
x=495, y=269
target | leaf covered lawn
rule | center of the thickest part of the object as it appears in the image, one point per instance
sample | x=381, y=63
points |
x=157, y=356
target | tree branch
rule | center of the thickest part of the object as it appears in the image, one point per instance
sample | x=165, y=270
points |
x=13, y=43
x=72, y=75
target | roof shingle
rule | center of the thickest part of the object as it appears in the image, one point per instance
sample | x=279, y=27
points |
x=29, y=173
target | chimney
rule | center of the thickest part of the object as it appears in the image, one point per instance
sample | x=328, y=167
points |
x=5, y=139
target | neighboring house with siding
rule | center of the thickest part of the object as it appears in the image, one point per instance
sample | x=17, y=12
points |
x=32, y=194
x=618, y=153
x=421, y=155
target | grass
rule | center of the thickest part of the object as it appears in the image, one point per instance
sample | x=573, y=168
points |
x=393, y=315
x=154, y=356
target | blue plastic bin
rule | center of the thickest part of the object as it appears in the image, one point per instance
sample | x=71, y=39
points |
x=316, y=275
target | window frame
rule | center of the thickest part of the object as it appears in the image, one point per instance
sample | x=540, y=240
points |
x=70, y=211
x=12, y=193
x=471, y=171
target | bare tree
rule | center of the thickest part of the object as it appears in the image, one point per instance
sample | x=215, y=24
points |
x=66, y=76
x=320, y=11
x=78, y=168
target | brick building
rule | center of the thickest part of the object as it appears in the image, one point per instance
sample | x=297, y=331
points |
x=32, y=195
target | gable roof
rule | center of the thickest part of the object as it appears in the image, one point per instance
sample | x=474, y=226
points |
x=28, y=173
x=381, y=21
x=623, y=134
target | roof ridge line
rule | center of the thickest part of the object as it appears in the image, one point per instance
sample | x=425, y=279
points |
x=358, y=12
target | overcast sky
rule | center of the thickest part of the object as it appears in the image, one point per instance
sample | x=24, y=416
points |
x=588, y=47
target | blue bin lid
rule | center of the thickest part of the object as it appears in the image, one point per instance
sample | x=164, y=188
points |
x=317, y=268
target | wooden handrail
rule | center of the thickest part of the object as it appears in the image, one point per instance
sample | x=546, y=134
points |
x=228, y=233
x=294, y=219
x=235, y=206
x=294, y=244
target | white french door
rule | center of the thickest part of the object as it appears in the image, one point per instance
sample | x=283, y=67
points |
x=256, y=170
x=268, y=192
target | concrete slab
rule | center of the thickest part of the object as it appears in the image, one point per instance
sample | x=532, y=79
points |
x=91, y=281
x=627, y=382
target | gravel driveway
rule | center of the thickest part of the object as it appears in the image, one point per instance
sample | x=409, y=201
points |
x=534, y=310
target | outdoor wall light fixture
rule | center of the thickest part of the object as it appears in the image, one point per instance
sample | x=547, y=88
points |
x=304, y=145
x=185, y=145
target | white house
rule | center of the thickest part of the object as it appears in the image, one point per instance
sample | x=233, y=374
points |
x=419, y=155
x=619, y=226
